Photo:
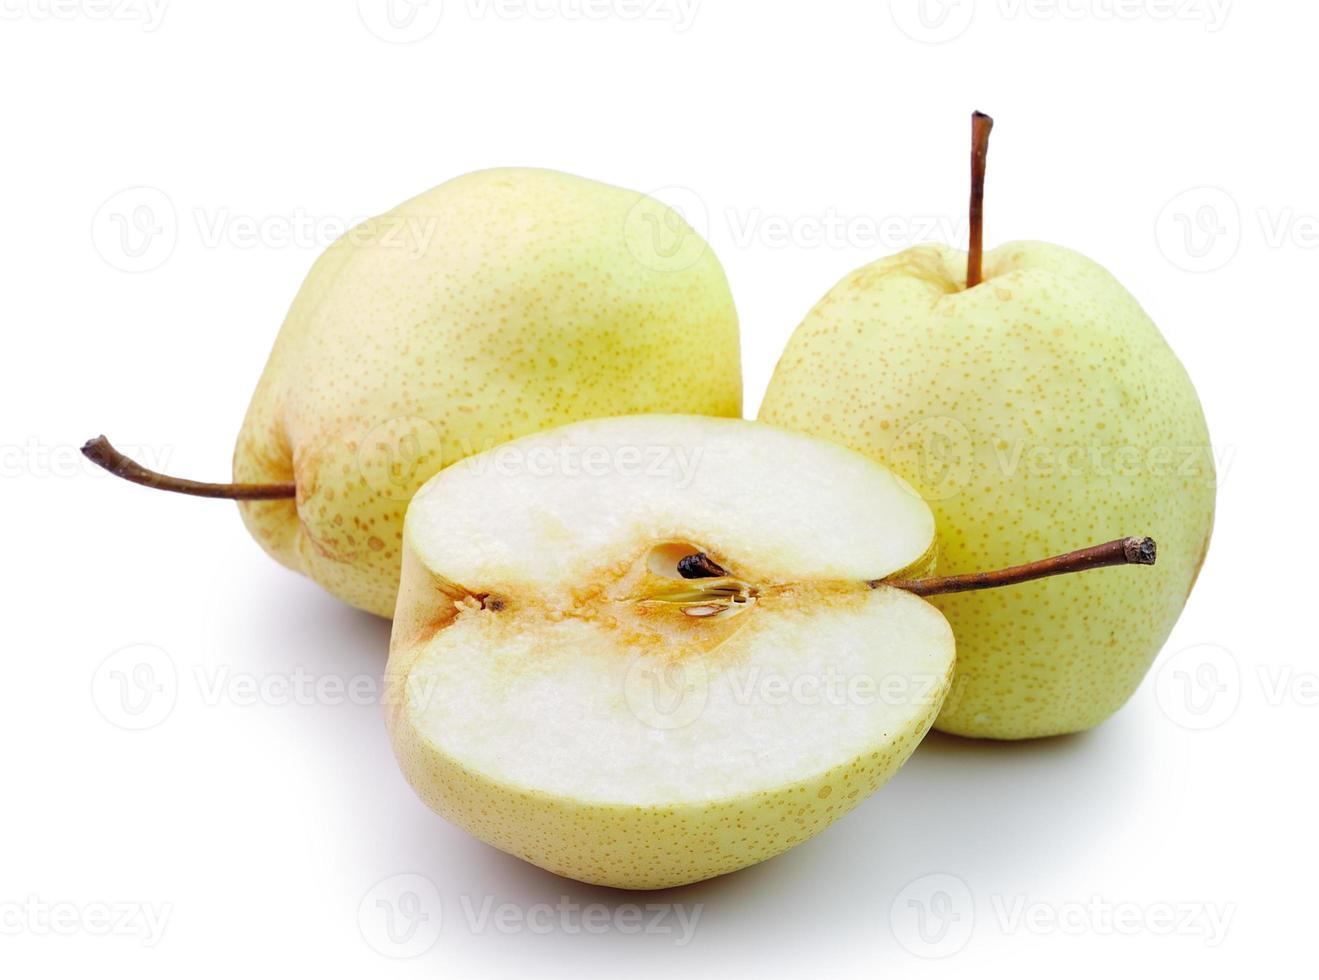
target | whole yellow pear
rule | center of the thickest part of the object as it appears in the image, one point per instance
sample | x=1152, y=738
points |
x=1035, y=410
x=498, y=304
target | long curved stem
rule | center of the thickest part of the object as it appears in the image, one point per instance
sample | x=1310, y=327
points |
x=1123, y=551
x=104, y=455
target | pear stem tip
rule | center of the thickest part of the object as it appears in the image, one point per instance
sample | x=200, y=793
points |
x=110, y=459
x=1123, y=551
x=981, y=125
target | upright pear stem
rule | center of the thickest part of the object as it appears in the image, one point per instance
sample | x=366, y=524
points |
x=104, y=455
x=1123, y=551
x=981, y=125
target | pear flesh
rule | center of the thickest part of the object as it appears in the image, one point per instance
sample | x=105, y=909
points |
x=562, y=692
x=1036, y=409
x=498, y=304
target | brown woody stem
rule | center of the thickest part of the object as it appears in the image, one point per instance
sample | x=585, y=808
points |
x=104, y=455
x=981, y=124
x=1124, y=551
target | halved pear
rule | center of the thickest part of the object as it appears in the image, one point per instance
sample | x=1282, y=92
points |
x=642, y=651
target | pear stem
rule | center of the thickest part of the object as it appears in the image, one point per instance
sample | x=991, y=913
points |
x=981, y=125
x=1123, y=551
x=104, y=455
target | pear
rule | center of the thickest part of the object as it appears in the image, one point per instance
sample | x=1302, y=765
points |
x=644, y=651
x=1035, y=406
x=498, y=304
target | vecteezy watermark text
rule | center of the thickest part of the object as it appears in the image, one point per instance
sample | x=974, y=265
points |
x=36, y=916
x=403, y=916
x=149, y=14
x=137, y=687
x=941, y=21
x=409, y=21
x=937, y=915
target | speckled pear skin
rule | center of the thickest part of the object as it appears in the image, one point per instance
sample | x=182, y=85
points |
x=618, y=845
x=498, y=304
x=1038, y=412
x=645, y=847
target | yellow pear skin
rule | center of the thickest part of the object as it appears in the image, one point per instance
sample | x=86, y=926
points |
x=498, y=304
x=1037, y=409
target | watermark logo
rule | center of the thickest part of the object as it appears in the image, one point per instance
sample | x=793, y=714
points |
x=1202, y=228
x=572, y=918
x=941, y=457
x=1199, y=687
x=666, y=694
x=136, y=687
x=401, y=21
x=1202, y=686
x=1199, y=230
x=303, y=688
x=933, y=916
x=139, y=687
x=681, y=14
x=401, y=916
x=833, y=687
x=666, y=230
x=399, y=454
x=407, y=21
x=941, y=21
x=1211, y=14
x=1098, y=916
x=1284, y=227
x=932, y=21
x=830, y=228
x=936, y=455
x=674, y=464
x=409, y=234
x=136, y=229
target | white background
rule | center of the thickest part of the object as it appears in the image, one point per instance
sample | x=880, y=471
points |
x=806, y=139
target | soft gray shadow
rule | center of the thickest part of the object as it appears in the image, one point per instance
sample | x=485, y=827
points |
x=294, y=621
x=996, y=814
x=992, y=813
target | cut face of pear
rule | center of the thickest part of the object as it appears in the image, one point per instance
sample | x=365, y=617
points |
x=640, y=651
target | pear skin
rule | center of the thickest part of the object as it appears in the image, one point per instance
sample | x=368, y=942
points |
x=495, y=305
x=1039, y=408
